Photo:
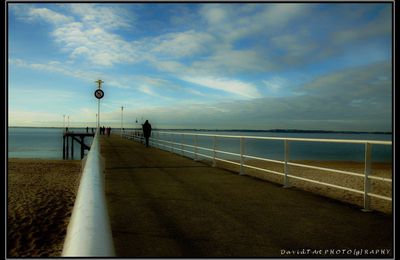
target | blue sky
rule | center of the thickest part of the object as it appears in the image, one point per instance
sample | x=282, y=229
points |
x=190, y=65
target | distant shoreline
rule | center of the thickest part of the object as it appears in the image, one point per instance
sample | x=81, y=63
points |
x=233, y=130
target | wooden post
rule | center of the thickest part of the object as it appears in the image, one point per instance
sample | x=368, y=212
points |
x=72, y=148
x=64, y=147
x=67, y=146
x=82, y=153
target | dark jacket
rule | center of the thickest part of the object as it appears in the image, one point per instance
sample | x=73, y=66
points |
x=146, y=129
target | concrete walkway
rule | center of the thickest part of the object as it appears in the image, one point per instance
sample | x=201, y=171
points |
x=164, y=205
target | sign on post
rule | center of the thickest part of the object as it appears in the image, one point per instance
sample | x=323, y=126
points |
x=99, y=94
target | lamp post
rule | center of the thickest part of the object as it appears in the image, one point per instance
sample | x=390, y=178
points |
x=98, y=94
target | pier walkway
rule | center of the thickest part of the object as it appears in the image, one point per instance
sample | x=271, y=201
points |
x=164, y=205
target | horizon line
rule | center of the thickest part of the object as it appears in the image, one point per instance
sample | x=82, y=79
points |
x=230, y=130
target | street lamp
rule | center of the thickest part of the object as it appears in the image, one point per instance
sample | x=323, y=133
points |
x=99, y=95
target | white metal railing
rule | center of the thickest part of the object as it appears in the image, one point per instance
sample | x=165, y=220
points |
x=89, y=233
x=169, y=143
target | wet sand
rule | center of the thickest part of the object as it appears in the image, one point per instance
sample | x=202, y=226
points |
x=353, y=182
x=41, y=195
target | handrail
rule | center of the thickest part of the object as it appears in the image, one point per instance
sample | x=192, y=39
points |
x=89, y=232
x=285, y=138
x=173, y=147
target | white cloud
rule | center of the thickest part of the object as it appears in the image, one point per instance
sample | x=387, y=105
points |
x=182, y=44
x=147, y=90
x=97, y=45
x=239, y=88
x=48, y=15
x=33, y=118
x=104, y=16
x=88, y=33
x=275, y=84
x=230, y=62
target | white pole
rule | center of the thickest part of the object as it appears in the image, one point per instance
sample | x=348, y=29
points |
x=98, y=113
x=286, y=167
x=367, y=172
x=122, y=118
x=241, y=156
x=214, y=153
x=98, y=103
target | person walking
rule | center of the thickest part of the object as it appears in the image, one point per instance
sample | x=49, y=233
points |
x=147, y=132
x=109, y=131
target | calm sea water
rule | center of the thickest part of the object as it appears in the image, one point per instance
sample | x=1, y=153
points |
x=274, y=149
x=47, y=143
x=43, y=143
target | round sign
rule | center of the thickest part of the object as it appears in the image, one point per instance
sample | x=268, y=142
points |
x=99, y=93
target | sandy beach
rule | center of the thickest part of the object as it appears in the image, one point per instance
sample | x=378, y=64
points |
x=41, y=196
x=353, y=182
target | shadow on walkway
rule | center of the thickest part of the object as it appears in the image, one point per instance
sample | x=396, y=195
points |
x=165, y=205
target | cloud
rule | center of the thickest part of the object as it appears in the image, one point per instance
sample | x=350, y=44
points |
x=100, y=47
x=33, y=118
x=275, y=84
x=239, y=88
x=147, y=90
x=104, y=16
x=48, y=15
x=182, y=44
x=55, y=66
x=355, y=100
x=61, y=68
x=88, y=32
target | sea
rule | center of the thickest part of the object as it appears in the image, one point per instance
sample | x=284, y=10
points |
x=43, y=143
x=46, y=143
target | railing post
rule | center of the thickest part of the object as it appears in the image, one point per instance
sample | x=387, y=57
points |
x=214, y=153
x=195, y=148
x=367, y=182
x=182, y=138
x=241, y=156
x=286, y=151
x=172, y=145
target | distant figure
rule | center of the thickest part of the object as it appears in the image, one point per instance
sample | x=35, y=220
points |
x=66, y=129
x=104, y=129
x=87, y=129
x=147, y=131
x=109, y=131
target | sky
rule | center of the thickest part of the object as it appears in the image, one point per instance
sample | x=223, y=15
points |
x=325, y=66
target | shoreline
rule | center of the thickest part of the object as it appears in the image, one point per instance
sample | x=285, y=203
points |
x=40, y=198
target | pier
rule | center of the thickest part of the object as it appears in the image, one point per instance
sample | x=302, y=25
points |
x=161, y=204
x=77, y=137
